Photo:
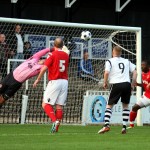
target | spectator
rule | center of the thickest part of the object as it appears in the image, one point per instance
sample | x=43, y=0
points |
x=5, y=53
x=85, y=65
x=27, y=50
x=85, y=69
x=17, y=43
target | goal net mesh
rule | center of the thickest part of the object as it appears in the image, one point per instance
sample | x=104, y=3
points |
x=40, y=36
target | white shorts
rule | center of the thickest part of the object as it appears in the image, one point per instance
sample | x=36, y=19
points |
x=56, y=92
x=144, y=101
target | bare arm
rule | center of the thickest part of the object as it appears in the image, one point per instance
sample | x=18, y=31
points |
x=43, y=70
x=134, y=77
x=106, y=74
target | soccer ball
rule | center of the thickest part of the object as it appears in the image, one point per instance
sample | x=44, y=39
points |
x=86, y=35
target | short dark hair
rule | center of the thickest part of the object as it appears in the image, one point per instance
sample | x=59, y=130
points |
x=146, y=61
x=17, y=25
x=27, y=42
x=85, y=51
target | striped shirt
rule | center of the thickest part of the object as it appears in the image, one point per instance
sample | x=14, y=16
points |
x=119, y=69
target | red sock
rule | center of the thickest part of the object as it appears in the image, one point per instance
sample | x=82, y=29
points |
x=133, y=115
x=50, y=112
x=59, y=114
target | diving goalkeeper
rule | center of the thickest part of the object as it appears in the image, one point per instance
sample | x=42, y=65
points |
x=14, y=80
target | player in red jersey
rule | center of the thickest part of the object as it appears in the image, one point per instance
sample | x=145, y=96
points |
x=145, y=99
x=56, y=90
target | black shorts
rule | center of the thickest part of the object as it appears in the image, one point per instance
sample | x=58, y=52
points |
x=120, y=90
x=9, y=86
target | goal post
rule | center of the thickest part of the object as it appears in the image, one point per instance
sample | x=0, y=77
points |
x=41, y=34
x=138, y=63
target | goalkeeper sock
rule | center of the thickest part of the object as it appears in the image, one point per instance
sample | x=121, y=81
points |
x=50, y=112
x=125, y=117
x=59, y=114
x=133, y=115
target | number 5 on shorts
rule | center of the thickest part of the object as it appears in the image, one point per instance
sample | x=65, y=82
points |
x=62, y=65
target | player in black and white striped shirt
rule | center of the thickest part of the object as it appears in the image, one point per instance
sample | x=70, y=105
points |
x=117, y=72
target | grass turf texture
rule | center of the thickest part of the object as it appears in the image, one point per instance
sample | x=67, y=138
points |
x=38, y=137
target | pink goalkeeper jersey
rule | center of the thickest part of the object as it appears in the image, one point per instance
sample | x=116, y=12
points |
x=30, y=67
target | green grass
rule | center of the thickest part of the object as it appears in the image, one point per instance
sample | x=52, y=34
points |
x=38, y=137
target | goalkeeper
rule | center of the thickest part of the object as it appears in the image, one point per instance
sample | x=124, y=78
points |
x=14, y=80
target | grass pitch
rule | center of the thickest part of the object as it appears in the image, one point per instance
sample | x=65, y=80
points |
x=38, y=137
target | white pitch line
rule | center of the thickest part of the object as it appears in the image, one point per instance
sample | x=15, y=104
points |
x=50, y=134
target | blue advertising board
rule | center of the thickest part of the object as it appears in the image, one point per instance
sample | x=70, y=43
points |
x=100, y=48
x=97, y=109
x=38, y=42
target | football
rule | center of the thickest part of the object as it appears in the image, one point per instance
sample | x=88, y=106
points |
x=86, y=35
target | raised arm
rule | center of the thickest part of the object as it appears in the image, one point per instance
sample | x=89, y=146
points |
x=41, y=53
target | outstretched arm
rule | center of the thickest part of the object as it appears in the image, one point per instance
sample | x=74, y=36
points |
x=41, y=53
x=43, y=70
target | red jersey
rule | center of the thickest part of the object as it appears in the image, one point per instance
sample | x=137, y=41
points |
x=57, y=63
x=146, y=81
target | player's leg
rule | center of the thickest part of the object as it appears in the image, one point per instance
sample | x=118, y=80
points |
x=59, y=115
x=125, y=99
x=61, y=101
x=2, y=101
x=50, y=96
x=112, y=100
x=12, y=87
x=133, y=114
x=49, y=110
x=3, y=89
x=125, y=117
x=9, y=87
x=143, y=102
x=107, y=117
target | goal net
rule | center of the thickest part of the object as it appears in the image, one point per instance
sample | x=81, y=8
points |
x=83, y=76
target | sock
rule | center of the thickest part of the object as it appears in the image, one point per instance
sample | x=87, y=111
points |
x=125, y=117
x=59, y=114
x=133, y=115
x=50, y=112
x=108, y=113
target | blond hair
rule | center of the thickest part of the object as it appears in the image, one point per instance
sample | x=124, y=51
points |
x=117, y=51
